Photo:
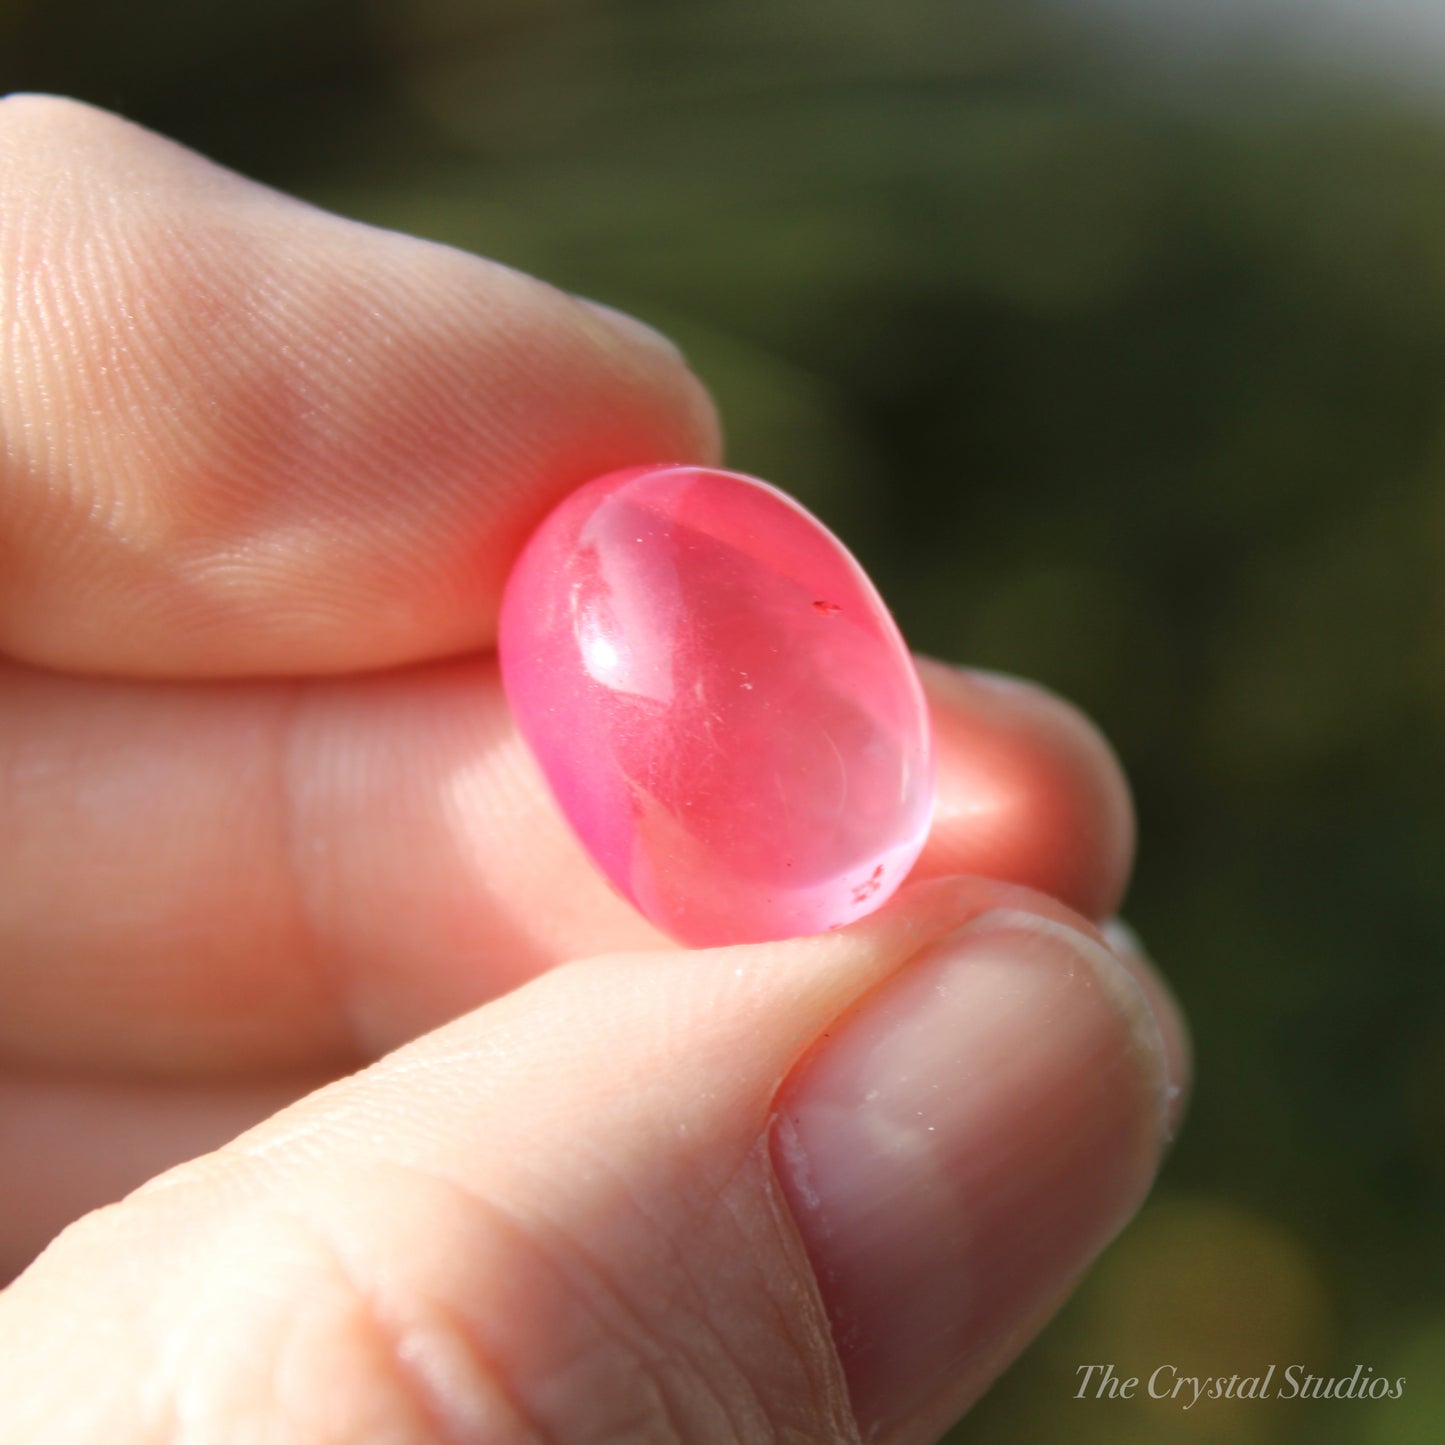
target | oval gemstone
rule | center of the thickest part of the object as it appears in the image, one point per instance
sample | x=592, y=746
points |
x=721, y=703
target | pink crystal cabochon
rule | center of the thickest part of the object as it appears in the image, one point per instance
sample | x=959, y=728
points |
x=721, y=703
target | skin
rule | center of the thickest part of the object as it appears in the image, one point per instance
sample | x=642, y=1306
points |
x=274, y=864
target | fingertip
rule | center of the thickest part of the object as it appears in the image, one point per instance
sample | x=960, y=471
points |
x=641, y=345
x=277, y=441
x=960, y=1147
x=1028, y=791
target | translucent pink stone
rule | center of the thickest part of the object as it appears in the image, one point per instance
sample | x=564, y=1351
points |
x=721, y=703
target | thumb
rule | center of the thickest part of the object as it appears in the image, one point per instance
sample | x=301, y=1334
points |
x=794, y=1191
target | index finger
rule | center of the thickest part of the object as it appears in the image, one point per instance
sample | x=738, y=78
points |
x=241, y=436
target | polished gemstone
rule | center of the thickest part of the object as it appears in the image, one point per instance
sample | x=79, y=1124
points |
x=721, y=703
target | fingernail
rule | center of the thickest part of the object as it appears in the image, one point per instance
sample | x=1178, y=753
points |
x=961, y=1146
x=637, y=332
x=1178, y=1052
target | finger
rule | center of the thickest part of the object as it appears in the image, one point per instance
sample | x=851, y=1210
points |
x=1028, y=791
x=781, y=1191
x=67, y=1146
x=242, y=436
x=275, y=875
x=206, y=879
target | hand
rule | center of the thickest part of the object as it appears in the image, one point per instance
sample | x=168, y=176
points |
x=265, y=824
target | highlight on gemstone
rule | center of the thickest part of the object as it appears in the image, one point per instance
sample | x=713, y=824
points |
x=720, y=702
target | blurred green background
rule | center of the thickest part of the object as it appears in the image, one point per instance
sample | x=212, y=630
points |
x=1119, y=370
